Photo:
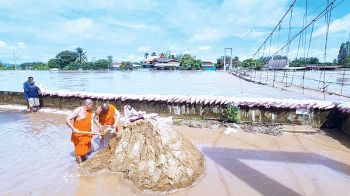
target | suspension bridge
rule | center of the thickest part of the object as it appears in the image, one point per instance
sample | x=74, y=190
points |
x=293, y=37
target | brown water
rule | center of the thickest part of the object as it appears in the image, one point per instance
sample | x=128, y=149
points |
x=36, y=158
x=142, y=82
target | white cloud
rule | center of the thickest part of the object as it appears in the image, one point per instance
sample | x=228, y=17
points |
x=133, y=58
x=2, y=44
x=79, y=26
x=135, y=26
x=72, y=31
x=202, y=28
x=208, y=34
x=144, y=49
x=21, y=45
x=204, y=48
x=338, y=25
x=251, y=34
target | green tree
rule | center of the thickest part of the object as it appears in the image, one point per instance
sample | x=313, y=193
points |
x=81, y=56
x=252, y=64
x=88, y=66
x=11, y=67
x=53, y=63
x=72, y=66
x=125, y=66
x=186, y=62
x=40, y=66
x=179, y=57
x=220, y=61
x=66, y=58
x=344, y=54
x=146, y=55
x=24, y=66
x=265, y=60
x=197, y=64
x=189, y=62
x=297, y=62
x=279, y=57
x=236, y=62
x=110, y=60
x=153, y=54
x=2, y=67
x=102, y=64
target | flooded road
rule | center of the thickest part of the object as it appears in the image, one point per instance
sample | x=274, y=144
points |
x=36, y=159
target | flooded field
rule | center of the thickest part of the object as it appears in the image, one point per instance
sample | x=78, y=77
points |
x=37, y=159
x=151, y=82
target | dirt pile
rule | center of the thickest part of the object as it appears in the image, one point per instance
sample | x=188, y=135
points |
x=151, y=155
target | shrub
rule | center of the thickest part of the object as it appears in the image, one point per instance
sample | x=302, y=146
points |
x=232, y=114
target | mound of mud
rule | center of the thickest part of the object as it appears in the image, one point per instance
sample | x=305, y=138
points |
x=151, y=155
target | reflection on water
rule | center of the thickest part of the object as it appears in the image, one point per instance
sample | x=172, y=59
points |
x=146, y=82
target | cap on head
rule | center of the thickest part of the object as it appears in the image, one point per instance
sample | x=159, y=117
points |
x=104, y=106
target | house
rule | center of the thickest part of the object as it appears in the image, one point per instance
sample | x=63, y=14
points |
x=116, y=65
x=149, y=62
x=161, y=62
x=165, y=63
x=136, y=65
x=278, y=64
x=207, y=65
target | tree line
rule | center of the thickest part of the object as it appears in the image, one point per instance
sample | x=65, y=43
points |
x=66, y=60
x=77, y=59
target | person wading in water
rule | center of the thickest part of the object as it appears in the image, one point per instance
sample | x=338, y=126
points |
x=80, y=123
x=107, y=115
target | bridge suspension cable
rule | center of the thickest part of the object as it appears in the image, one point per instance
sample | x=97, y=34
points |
x=323, y=13
x=277, y=26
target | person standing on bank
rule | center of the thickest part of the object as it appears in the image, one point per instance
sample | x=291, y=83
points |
x=33, y=97
x=26, y=87
x=80, y=123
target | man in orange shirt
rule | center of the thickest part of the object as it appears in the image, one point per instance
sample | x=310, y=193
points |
x=80, y=123
x=107, y=115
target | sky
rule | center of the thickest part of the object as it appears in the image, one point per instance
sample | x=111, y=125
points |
x=37, y=30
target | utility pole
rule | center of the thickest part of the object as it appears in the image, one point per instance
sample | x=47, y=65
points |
x=14, y=57
x=230, y=64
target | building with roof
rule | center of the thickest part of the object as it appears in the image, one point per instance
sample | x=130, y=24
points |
x=165, y=63
x=116, y=65
x=278, y=64
x=160, y=62
x=207, y=65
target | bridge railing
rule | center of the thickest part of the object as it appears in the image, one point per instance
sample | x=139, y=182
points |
x=330, y=82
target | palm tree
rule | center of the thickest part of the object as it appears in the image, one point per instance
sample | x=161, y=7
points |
x=146, y=55
x=81, y=59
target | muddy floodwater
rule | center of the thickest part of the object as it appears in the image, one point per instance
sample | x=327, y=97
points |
x=216, y=83
x=36, y=159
